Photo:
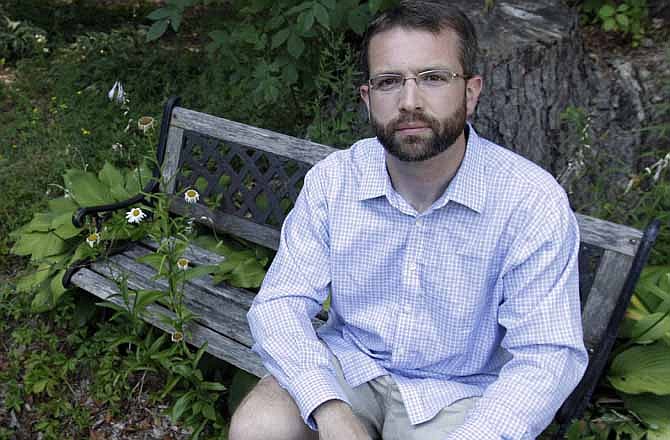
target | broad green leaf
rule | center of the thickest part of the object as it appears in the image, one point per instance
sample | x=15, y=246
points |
x=642, y=369
x=175, y=21
x=159, y=14
x=280, y=37
x=41, y=222
x=110, y=175
x=199, y=271
x=137, y=179
x=86, y=189
x=39, y=244
x=39, y=386
x=321, y=15
x=56, y=285
x=306, y=20
x=37, y=277
x=295, y=46
x=63, y=226
x=42, y=301
x=157, y=29
x=644, y=333
x=241, y=270
x=653, y=410
x=63, y=204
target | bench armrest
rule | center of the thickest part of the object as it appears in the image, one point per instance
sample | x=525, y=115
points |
x=82, y=213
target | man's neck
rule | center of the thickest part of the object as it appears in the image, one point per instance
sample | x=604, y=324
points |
x=422, y=183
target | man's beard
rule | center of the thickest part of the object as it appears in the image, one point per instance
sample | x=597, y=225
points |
x=416, y=148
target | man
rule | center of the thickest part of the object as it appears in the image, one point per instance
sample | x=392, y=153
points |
x=452, y=265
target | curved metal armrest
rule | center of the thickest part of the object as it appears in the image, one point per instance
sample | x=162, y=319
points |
x=81, y=213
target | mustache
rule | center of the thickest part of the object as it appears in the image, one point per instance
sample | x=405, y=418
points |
x=407, y=118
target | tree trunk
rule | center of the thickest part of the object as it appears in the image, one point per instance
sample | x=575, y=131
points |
x=534, y=67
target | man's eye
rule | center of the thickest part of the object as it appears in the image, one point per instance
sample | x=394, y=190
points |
x=387, y=83
x=435, y=77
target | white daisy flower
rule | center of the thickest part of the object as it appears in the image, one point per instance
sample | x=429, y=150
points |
x=135, y=215
x=93, y=239
x=177, y=336
x=191, y=196
x=182, y=264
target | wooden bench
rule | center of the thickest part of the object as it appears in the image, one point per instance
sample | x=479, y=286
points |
x=242, y=164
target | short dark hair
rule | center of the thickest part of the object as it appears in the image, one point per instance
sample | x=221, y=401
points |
x=432, y=16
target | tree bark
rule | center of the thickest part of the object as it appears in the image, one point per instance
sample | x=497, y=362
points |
x=534, y=67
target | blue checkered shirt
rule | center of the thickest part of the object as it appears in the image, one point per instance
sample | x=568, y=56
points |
x=476, y=296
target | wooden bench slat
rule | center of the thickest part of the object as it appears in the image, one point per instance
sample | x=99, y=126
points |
x=171, y=161
x=276, y=143
x=197, y=334
x=195, y=254
x=604, y=295
x=608, y=235
x=246, y=229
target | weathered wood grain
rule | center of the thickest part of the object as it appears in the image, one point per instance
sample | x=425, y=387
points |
x=218, y=345
x=172, y=156
x=215, y=311
x=604, y=295
x=294, y=148
x=608, y=235
x=195, y=254
x=241, y=227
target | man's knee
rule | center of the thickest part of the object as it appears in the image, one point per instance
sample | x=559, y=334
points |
x=268, y=412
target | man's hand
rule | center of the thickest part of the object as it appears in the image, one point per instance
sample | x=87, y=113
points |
x=336, y=421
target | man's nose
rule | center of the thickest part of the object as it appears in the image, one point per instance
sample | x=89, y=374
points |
x=410, y=96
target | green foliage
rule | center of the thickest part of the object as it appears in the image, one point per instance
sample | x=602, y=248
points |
x=20, y=39
x=626, y=16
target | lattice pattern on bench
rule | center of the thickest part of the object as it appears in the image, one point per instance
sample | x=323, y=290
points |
x=240, y=181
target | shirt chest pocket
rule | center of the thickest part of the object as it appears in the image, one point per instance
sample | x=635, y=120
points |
x=457, y=281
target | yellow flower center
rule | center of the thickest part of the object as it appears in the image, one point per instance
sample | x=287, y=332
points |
x=136, y=212
x=93, y=237
x=191, y=193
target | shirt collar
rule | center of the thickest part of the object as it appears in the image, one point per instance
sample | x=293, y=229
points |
x=467, y=188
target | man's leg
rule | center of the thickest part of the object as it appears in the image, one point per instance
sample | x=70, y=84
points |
x=269, y=413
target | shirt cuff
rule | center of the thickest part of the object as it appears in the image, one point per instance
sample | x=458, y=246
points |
x=482, y=427
x=314, y=388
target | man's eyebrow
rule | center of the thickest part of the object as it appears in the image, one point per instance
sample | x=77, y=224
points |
x=414, y=71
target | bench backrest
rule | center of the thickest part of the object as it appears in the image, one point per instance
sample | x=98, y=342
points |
x=250, y=178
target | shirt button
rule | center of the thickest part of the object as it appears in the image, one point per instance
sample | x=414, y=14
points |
x=418, y=222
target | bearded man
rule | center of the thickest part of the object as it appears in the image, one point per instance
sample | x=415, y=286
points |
x=451, y=263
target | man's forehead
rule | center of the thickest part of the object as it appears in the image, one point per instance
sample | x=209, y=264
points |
x=411, y=49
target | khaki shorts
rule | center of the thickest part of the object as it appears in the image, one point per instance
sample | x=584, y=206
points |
x=378, y=404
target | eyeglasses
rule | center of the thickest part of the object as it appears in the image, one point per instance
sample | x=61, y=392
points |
x=430, y=79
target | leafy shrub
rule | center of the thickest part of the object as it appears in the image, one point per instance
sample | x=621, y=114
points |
x=626, y=16
x=20, y=39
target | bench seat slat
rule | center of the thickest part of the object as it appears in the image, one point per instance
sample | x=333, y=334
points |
x=218, y=345
x=195, y=254
x=215, y=311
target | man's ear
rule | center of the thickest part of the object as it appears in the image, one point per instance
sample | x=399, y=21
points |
x=473, y=87
x=364, y=91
